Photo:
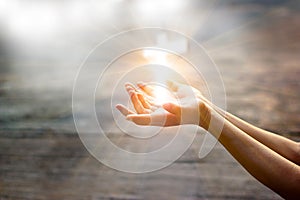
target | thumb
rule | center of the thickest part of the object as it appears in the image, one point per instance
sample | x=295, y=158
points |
x=172, y=108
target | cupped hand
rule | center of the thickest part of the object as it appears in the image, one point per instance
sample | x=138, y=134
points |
x=184, y=105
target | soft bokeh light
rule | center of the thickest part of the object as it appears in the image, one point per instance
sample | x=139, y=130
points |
x=162, y=95
x=154, y=8
x=156, y=56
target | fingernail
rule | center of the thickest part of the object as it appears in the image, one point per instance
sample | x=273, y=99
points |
x=140, y=83
x=131, y=92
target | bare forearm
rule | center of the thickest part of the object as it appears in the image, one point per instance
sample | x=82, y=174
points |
x=267, y=166
x=285, y=147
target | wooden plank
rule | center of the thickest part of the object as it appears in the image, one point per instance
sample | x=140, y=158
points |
x=49, y=165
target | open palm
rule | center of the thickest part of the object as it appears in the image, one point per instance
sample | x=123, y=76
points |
x=180, y=108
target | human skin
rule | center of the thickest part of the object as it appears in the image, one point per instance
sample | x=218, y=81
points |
x=270, y=158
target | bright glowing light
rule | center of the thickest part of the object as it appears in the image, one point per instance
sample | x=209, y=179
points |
x=156, y=57
x=44, y=20
x=37, y=20
x=152, y=7
x=162, y=95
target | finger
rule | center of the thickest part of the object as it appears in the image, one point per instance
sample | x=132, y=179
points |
x=173, y=86
x=130, y=89
x=149, y=99
x=172, y=108
x=125, y=111
x=148, y=119
x=144, y=102
x=145, y=99
x=138, y=106
x=146, y=88
x=141, y=119
x=154, y=120
x=136, y=103
x=130, y=86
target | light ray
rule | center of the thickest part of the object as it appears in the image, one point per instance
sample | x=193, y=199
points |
x=211, y=41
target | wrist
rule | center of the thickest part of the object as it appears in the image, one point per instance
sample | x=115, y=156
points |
x=205, y=115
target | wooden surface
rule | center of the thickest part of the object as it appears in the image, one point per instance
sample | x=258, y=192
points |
x=42, y=164
x=41, y=156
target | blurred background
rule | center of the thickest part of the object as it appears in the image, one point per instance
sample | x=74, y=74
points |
x=255, y=45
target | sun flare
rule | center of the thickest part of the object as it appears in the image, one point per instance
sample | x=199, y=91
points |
x=162, y=95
